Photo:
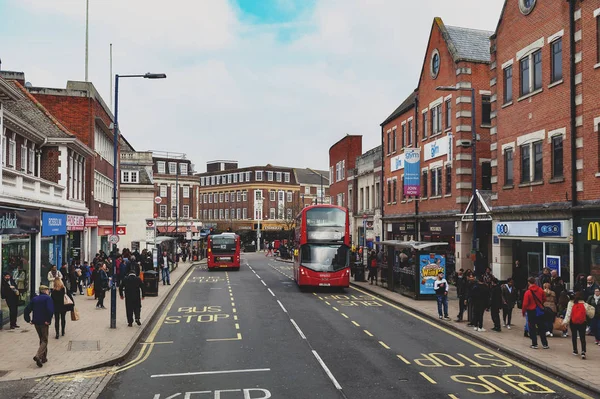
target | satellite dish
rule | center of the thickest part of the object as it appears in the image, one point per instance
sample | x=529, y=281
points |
x=28, y=84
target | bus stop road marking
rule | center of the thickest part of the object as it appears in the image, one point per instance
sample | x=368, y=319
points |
x=428, y=378
x=456, y=335
x=403, y=359
x=355, y=323
x=209, y=373
x=237, y=338
x=384, y=345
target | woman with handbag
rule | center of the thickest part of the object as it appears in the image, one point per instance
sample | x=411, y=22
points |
x=63, y=302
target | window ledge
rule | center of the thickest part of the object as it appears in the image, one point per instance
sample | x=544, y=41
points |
x=551, y=85
x=435, y=135
x=486, y=125
x=448, y=129
x=533, y=183
x=597, y=66
x=557, y=180
x=507, y=104
x=448, y=195
x=508, y=187
x=526, y=96
x=597, y=174
x=435, y=197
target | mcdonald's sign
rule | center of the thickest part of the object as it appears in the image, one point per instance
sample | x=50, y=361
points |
x=593, y=231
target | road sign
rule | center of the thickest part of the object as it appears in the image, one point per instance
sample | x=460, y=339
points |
x=157, y=200
x=121, y=230
x=113, y=239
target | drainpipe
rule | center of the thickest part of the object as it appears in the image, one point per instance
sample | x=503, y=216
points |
x=573, y=123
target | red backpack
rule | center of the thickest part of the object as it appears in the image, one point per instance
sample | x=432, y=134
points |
x=578, y=315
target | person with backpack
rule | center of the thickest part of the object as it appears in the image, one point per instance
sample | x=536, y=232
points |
x=576, y=317
x=533, y=302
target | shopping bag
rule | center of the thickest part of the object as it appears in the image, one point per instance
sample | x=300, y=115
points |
x=74, y=314
x=67, y=300
x=558, y=324
x=90, y=290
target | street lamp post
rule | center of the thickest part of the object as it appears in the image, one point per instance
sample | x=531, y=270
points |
x=113, y=291
x=474, y=245
x=259, y=204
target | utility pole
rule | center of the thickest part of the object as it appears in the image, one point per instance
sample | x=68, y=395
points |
x=87, y=30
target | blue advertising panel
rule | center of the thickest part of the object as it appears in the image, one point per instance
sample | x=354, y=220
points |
x=412, y=172
x=54, y=224
x=429, y=267
x=550, y=229
x=553, y=263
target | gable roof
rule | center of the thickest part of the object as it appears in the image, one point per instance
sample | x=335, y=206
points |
x=468, y=44
x=312, y=176
x=402, y=108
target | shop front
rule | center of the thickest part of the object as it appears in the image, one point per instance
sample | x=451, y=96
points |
x=103, y=233
x=441, y=231
x=366, y=234
x=75, y=227
x=536, y=244
x=587, y=239
x=18, y=228
x=403, y=231
x=54, y=230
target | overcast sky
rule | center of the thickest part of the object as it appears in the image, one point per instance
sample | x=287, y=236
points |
x=258, y=81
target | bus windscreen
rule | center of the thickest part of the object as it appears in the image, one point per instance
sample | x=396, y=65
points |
x=324, y=258
x=325, y=217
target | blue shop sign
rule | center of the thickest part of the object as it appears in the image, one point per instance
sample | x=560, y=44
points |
x=549, y=229
x=54, y=224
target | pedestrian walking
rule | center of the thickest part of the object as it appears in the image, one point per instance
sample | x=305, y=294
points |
x=73, y=278
x=165, y=265
x=43, y=311
x=594, y=301
x=440, y=286
x=53, y=274
x=589, y=288
x=520, y=276
x=64, y=271
x=101, y=286
x=576, y=318
x=63, y=302
x=550, y=303
x=10, y=293
x=86, y=272
x=372, y=265
x=495, y=303
x=461, y=285
x=509, y=300
x=471, y=281
x=132, y=290
x=557, y=284
x=480, y=296
x=563, y=304
x=533, y=306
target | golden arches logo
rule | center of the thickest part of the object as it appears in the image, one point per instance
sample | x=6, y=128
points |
x=593, y=232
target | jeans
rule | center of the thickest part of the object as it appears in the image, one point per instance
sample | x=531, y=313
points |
x=166, y=275
x=442, y=300
x=507, y=314
x=536, y=326
x=578, y=329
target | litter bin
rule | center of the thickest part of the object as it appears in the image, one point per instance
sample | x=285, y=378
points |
x=151, y=283
x=359, y=271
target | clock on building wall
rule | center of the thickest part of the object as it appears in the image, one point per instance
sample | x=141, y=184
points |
x=435, y=63
x=526, y=6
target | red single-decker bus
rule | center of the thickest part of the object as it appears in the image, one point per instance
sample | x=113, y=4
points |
x=223, y=251
x=322, y=255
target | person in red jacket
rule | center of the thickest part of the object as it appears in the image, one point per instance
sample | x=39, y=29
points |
x=534, y=298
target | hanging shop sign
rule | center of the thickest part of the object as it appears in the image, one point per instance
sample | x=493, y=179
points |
x=91, y=221
x=19, y=221
x=54, y=224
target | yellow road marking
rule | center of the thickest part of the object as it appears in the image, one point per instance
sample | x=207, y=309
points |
x=428, y=378
x=453, y=396
x=232, y=303
x=155, y=343
x=327, y=303
x=320, y=298
x=368, y=333
x=355, y=323
x=237, y=326
x=314, y=293
x=234, y=311
x=384, y=345
x=149, y=342
x=483, y=348
x=344, y=314
x=235, y=317
x=238, y=338
x=403, y=359
x=336, y=309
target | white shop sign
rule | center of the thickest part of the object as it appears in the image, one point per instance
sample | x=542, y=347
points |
x=532, y=228
x=438, y=148
x=397, y=162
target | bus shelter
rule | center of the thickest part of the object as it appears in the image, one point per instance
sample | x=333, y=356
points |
x=411, y=267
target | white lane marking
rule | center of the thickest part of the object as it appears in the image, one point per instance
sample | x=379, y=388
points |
x=281, y=304
x=270, y=291
x=219, y=288
x=257, y=275
x=298, y=328
x=327, y=371
x=208, y=373
x=265, y=284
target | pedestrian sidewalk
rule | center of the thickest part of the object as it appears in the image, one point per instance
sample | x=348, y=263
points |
x=88, y=342
x=558, y=360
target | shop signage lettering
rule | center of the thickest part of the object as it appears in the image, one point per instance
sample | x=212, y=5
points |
x=593, y=231
x=54, y=224
x=75, y=223
x=437, y=148
x=19, y=221
x=549, y=229
x=397, y=163
x=502, y=229
x=9, y=221
x=412, y=172
x=91, y=221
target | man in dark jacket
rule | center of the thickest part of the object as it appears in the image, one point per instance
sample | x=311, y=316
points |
x=10, y=294
x=461, y=285
x=43, y=311
x=132, y=287
x=520, y=276
x=495, y=303
x=480, y=296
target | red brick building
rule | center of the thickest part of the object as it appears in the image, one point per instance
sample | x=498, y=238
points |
x=81, y=109
x=342, y=157
x=439, y=123
x=545, y=137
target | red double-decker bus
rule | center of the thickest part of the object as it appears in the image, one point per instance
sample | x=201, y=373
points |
x=322, y=255
x=223, y=251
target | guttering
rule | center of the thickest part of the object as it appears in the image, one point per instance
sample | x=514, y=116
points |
x=573, y=106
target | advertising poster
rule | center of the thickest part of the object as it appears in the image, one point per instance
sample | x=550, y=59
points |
x=429, y=267
x=412, y=172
